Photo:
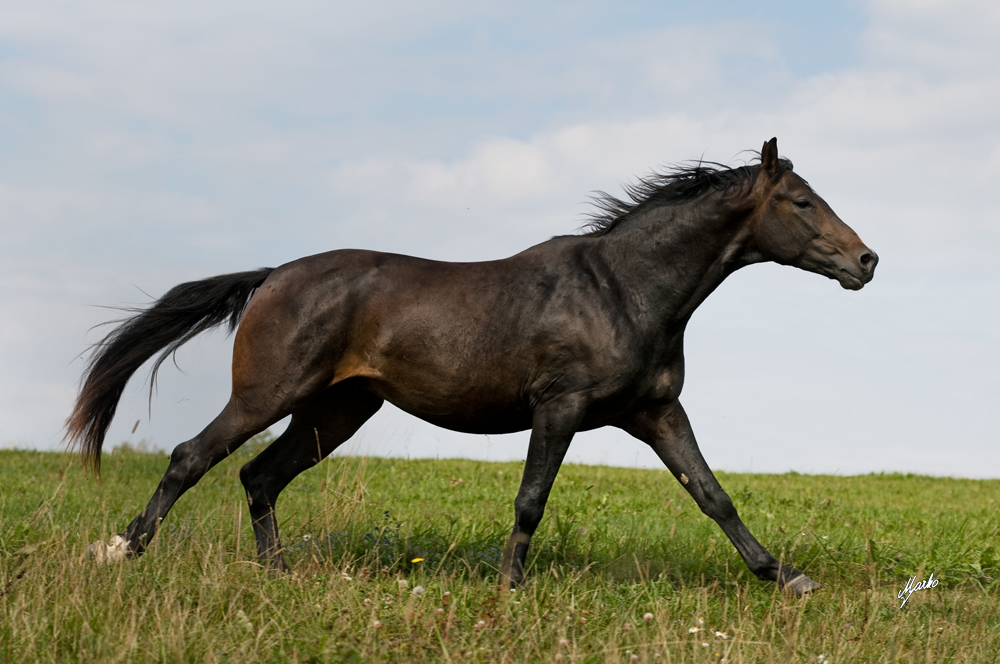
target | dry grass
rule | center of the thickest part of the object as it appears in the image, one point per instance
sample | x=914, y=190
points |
x=615, y=545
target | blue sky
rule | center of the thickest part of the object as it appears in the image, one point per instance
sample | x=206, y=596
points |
x=145, y=145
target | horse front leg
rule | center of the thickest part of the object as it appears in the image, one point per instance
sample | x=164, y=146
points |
x=667, y=430
x=552, y=429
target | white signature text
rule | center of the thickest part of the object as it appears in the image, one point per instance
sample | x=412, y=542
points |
x=904, y=594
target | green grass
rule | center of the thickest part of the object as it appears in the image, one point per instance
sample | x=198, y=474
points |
x=615, y=545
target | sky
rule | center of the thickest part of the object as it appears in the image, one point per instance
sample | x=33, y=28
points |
x=147, y=144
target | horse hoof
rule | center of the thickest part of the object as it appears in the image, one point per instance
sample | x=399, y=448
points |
x=105, y=553
x=800, y=585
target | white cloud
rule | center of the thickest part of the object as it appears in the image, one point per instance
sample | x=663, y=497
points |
x=915, y=150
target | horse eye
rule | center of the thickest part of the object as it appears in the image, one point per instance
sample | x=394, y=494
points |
x=802, y=205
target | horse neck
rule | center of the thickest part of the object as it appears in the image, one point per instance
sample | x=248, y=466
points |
x=678, y=254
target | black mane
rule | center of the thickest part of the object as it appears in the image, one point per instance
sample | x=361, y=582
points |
x=678, y=184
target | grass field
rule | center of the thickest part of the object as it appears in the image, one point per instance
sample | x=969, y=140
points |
x=623, y=567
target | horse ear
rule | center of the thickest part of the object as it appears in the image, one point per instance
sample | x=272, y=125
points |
x=769, y=157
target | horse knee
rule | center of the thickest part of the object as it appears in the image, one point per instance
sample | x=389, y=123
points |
x=528, y=511
x=718, y=506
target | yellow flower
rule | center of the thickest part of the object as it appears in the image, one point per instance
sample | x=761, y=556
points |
x=417, y=560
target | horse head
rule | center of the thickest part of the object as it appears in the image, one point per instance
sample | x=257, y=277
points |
x=792, y=225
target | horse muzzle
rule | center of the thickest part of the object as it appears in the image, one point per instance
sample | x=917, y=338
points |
x=859, y=272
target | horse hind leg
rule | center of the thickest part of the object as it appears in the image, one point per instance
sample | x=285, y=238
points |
x=317, y=428
x=188, y=463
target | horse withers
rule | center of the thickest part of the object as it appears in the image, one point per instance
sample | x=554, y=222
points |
x=579, y=332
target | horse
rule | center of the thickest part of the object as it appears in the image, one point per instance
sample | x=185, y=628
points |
x=579, y=332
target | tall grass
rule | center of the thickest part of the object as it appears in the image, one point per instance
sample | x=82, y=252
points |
x=623, y=567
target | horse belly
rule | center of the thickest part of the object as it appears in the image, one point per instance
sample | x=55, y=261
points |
x=475, y=411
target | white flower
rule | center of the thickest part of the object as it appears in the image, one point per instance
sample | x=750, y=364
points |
x=244, y=621
x=403, y=583
x=418, y=591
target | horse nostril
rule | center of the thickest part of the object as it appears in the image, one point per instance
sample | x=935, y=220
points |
x=868, y=260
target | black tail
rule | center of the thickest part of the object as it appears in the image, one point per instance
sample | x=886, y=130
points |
x=185, y=311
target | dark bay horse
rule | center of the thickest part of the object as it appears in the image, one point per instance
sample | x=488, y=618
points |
x=575, y=333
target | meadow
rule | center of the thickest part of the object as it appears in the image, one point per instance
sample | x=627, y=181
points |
x=396, y=561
